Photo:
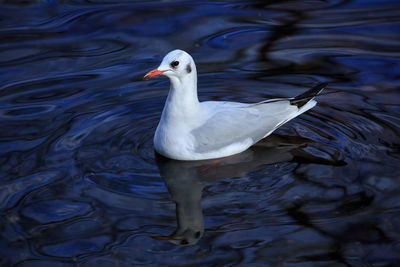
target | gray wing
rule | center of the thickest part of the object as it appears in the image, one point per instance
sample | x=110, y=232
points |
x=237, y=123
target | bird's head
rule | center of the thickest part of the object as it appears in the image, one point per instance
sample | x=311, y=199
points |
x=176, y=64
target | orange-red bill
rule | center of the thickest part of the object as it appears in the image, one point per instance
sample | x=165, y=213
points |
x=162, y=237
x=153, y=73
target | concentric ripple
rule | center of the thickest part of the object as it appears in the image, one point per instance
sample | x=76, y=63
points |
x=81, y=184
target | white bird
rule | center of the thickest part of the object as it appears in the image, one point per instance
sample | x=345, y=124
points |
x=193, y=130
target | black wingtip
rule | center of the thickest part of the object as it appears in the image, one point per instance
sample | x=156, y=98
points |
x=303, y=98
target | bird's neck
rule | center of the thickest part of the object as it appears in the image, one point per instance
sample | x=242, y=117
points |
x=182, y=102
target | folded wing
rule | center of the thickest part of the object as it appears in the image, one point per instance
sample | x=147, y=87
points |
x=236, y=124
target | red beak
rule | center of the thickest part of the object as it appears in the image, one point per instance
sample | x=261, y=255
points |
x=162, y=237
x=153, y=73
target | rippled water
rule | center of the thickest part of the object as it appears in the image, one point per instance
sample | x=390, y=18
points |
x=81, y=185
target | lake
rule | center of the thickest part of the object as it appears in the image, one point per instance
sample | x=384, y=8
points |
x=81, y=184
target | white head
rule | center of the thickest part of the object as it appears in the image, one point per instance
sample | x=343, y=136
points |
x=177, y=64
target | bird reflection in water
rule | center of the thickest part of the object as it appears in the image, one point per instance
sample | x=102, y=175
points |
x=185, y=180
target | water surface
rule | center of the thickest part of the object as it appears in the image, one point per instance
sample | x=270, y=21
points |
x=81, y=185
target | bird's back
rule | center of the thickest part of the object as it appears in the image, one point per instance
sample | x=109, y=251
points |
x=234, y=123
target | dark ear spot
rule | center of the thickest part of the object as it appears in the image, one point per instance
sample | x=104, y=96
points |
x=188, y=68
x=197, y=235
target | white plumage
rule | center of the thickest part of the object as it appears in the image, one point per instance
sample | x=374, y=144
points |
x=193, y=130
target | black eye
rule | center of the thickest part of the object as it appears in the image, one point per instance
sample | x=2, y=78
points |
x=174, y=64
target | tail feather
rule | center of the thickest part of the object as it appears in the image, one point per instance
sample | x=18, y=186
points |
x=305, y=97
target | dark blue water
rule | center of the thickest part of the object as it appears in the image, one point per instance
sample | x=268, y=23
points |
x=80, y=183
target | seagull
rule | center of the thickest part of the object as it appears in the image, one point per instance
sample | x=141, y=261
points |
x=193, y=130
